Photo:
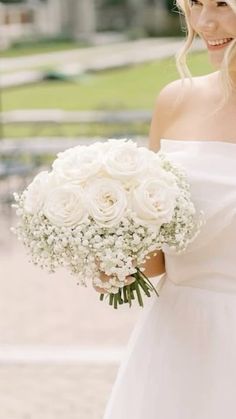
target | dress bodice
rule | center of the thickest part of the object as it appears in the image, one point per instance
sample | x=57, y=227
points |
x=210, y=260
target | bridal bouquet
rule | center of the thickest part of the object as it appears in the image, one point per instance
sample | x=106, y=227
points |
x=105, y=206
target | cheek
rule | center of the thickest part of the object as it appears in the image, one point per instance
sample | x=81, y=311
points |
x=231, y=25
x=193, y=19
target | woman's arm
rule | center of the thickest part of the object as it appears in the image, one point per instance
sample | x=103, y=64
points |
x=155, y=265
x=163, y=115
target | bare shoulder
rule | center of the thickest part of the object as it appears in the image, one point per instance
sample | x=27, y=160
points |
x=171, y=103
x=166, y=109
x=205, y=85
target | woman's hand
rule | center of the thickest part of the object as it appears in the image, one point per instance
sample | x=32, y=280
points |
x=105, y=278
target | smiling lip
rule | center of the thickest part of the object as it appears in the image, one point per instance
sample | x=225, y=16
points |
x=218, y=47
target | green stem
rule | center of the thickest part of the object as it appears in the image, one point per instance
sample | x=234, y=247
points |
x=132, y=288
x=111, y=298
x=129, y=295
x=154, y=289
x=140, y=300
x=140, y=279
x=115, y=301
x=144, y=286
x=125, y=294
x=120, y=297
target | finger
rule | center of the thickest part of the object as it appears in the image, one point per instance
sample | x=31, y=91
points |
x=129, y=280
x=134, y=263
x=104, y=277
x=101, y=290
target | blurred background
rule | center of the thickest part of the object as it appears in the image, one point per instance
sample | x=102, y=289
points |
x=71, y=72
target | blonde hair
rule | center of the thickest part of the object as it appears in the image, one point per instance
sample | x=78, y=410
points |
x=228, y=86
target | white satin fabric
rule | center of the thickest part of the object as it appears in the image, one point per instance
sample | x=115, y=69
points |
x=180, y=362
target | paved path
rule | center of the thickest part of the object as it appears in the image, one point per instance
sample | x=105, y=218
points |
x=55, y=392
x=46, y=325
x=97, y=58
x=132, y=51
x=37, y=308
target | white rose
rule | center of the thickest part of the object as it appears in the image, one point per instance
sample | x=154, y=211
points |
x=154, y=201
x=155, y=166
x=125, y=161
x=36, y=193
x=101, y=146
x=78, y=164
x=107, y=201
x=65, y=206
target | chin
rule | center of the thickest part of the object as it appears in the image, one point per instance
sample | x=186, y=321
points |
x=216, y=65
x=216, y=60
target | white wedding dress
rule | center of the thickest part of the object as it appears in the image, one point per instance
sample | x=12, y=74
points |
x=180, y=362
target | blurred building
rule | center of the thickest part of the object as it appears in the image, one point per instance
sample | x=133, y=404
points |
x=80, y=19
x=152, y=17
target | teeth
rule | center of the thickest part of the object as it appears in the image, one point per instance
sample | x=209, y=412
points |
x=219, y=42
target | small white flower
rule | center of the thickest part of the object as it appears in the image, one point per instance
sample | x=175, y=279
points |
x=136, y=239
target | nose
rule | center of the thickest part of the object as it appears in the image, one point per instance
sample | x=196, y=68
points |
x=206, y=22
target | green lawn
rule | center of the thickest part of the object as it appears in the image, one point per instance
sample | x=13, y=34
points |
x=129, y=88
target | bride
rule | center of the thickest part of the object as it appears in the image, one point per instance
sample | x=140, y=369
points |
x=180, y=362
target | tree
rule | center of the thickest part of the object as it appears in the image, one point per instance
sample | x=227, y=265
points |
x=81, y=18
x=171, y=6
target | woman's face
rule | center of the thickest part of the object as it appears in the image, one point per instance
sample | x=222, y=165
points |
x=215, y=23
